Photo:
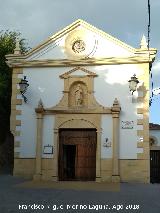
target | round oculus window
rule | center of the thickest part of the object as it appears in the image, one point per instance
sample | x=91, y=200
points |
x=78, y=46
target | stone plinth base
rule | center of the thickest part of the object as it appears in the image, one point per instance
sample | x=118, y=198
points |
x=98, y=179
x=54, y=178
x=37, y=177
x=115, y=179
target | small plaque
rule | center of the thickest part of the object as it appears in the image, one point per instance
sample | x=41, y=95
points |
x=48, y=149
x=127, y=124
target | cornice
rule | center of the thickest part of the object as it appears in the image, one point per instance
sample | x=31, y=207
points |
x=144, y=58
x=141, y=55
x=55, y=110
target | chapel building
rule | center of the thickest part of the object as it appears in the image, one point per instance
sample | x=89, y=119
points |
x=76, y=118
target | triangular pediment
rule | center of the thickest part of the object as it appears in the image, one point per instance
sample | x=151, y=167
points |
x=78, y=71
x=81, y=43
x=97, y=42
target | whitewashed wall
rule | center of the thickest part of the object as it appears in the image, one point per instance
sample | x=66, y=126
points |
x=45, y=84
x=106, y=152
x=48, y=134
x=111, y=83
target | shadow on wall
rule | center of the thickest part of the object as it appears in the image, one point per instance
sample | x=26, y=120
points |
x=7, y=155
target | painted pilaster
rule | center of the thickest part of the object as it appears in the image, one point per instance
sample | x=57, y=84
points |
x=115, y=160
x=98, y=157
x=38, y=166
x=55, y=158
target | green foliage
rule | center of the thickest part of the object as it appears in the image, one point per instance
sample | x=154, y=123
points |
x=7, y=46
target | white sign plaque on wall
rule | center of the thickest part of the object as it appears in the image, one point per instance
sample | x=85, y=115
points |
x=48, y=149
x=127, y=124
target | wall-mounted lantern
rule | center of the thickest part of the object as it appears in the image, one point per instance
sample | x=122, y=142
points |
x=23, y=84
x=133, y=83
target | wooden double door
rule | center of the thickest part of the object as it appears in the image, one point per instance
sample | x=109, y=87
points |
x=77, y=154
x=155, y=166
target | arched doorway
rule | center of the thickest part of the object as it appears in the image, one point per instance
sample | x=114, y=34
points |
x=77, y=154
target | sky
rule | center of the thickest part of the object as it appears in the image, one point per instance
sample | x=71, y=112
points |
x=124, y=19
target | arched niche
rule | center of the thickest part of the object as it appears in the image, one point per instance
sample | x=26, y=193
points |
x=78, y=94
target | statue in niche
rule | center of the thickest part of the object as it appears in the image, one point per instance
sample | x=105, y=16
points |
x=78, y=95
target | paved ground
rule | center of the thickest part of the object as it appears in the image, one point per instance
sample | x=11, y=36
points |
x=17, y=196
x=70, y=185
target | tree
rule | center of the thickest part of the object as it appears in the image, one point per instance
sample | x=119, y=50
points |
x=7, y=46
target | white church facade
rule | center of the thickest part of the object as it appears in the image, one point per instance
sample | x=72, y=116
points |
x=78, y=120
